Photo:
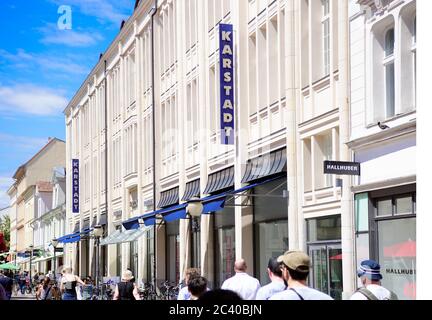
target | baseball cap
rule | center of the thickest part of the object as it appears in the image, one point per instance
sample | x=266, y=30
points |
x=295, y=260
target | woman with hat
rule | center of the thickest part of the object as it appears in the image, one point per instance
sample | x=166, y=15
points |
x=126, y=289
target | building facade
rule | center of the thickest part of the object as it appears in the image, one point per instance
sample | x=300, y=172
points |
x=24, y=193
x=49, y=222
x=145, y=127
x=383, y=137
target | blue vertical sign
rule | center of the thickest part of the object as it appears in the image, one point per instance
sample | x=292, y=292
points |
x=226, y=67
x=75, y=185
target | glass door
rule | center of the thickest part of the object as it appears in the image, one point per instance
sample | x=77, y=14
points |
x=326, y=275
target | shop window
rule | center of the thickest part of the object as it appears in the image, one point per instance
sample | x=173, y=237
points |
x=173, y=254
x=150, y=255
x=224, y=245
x=322, y=229
x=362, y=212
x=397, y=256
x=362, y=247
x=384, y=207
x=225, y=254
x=404, y=205
x=133, y=262
x=196, y=243
x=271, y=240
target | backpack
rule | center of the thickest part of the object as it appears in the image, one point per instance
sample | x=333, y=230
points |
x=370, y=296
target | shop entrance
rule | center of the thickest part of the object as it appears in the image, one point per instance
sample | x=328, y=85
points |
x=326, y=272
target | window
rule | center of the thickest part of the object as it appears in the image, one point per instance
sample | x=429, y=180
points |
x=224, y=245
x=173, y=251
x=150, y=255
x=325, y=29
x=388, y=63
x=414, y=57
x=322, y=229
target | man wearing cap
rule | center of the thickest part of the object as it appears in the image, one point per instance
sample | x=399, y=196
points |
x=242, y=283
x=295, y=270
x=369, y=273
x=277, y=283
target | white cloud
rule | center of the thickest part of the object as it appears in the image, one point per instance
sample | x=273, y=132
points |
x=112, y=11
x=53, y=35
x=31, y=99
x=28, y=61
x=21, y=143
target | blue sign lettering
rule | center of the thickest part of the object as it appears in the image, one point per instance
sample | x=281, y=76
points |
x=226, y=67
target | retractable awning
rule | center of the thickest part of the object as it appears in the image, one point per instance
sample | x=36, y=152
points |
x=125, y=236
x=265, y=165
x=217, y=202
x=168, y=214
x=220, y=180
x=174, y=213
x=192, y=190
x=169, y=197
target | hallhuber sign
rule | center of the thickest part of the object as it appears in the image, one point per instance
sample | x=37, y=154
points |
x=226, y=67
x=342, y=167
x=75, y=185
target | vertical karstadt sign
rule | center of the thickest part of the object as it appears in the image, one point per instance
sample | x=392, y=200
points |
x=226, y=67
x=75, y=185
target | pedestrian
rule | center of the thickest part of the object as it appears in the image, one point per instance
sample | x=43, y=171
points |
x=242, y=283
x=7, y=284
x=2, y=293
x=46, y=291
x=68, y=284
x=295, y=270
x=190, y=273
x=22, y=282
x=87, y=292
x=369, y=273
x=197, y=286
x=126, y=289
x=277, y=283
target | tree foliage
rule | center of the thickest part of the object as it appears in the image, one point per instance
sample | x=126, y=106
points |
x=5, y=230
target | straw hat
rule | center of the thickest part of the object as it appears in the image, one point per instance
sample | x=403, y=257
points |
x=127, y=275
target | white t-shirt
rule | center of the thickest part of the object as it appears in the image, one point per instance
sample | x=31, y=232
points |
x=306, y=292
x=242, y=283
x=264, y=293
x=380, y=292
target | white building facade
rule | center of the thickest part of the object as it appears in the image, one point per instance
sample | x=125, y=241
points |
x=383, y=137
x=262, y=195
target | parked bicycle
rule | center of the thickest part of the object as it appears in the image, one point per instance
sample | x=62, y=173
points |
x=148, y=292
x=168, y=291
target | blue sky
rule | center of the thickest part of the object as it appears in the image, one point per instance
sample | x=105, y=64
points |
x=42, y=66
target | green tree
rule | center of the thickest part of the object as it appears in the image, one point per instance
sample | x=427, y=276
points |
x=5, y=228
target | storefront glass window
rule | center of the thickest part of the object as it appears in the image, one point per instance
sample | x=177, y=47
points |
x=321, y=229
x=271, y=241
x=397, y=256
x=172, y=246
x=134, y=257
x=362, y=212
x=225, y=254
x=384, y=207
x=404, y=204
x=150, y=255
x=362, y=247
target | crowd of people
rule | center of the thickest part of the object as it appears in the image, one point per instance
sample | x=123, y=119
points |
x=287, y=273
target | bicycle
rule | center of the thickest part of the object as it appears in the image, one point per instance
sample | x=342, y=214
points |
x=168, y=291
x=147, y=292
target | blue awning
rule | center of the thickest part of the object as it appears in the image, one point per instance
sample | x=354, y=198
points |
x=217, y=202
x=73, y=237
x=174, y=213
x=133, y=223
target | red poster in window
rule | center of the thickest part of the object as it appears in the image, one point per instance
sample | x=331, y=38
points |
x=403, y=249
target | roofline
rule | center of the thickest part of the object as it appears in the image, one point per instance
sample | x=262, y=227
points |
x=112, y=46
x=23, y=166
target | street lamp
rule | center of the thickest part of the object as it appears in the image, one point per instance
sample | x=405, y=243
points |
x=97, y=234
x=54, y=243
x=194, y=208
